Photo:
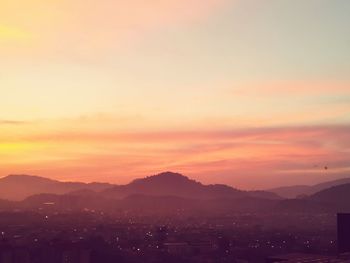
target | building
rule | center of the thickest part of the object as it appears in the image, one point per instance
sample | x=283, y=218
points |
x=343, y=232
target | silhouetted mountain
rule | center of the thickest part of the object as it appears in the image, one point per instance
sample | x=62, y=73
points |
x=67, y=202
x=19, y=187
x=174, y=184
x=159, y=194
x=291, y=191
x=333, y=199
x=319, y=187
x=84, y=192
x=173, y=204
x=336, y=196
x=301, y=190
x=265, y=195
x=6, y=205
x=181, y=195
x=302, y=206
x=146, y=205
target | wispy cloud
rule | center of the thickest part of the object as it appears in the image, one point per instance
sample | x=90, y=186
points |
x=235, y=156
x=292, y=87
x=267, y=134
x=12, y=122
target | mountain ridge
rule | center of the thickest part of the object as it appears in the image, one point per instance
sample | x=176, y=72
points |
x=169, y=193
x=295, y=191
x=19, y=187
x=337, y=196
x=175, y=184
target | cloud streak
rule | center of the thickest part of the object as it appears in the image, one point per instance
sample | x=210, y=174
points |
x=12, y=122
x=293, y=87
x=238, y=157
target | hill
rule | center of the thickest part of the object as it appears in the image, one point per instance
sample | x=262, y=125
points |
x=174, y=184
x=336, y=196
x=166, y=193
x=301, y=190
x=19, y=187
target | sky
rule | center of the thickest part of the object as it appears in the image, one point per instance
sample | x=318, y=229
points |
x=250, y=93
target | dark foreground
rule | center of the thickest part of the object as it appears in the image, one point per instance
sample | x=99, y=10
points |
x=96, y=237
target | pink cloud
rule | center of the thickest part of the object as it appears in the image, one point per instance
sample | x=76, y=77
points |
x=293, y=87
x=241, y=157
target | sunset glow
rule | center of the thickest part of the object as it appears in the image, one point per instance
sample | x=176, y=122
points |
x=226, y=91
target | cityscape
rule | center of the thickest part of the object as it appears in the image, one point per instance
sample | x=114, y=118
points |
x=84, y=226
x=174, y=131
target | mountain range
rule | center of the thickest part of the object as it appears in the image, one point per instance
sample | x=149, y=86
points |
x=163, y=193
x=19, y=187
x=175, y=184
x=336, y=196
x=296, y=191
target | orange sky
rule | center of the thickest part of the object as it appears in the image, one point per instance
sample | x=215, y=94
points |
x=249, y=93
x=249, y=158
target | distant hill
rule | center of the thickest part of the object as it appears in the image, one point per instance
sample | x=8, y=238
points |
x=333, y=199
x=145, y=205
x=335, y=196
x=300, y=190
x=67, y=202
x=264, y=195
x=174, y=184
x=6, y=205
x=175, y=204
x=19, y=187
x=303, y=206
x=166, y=193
